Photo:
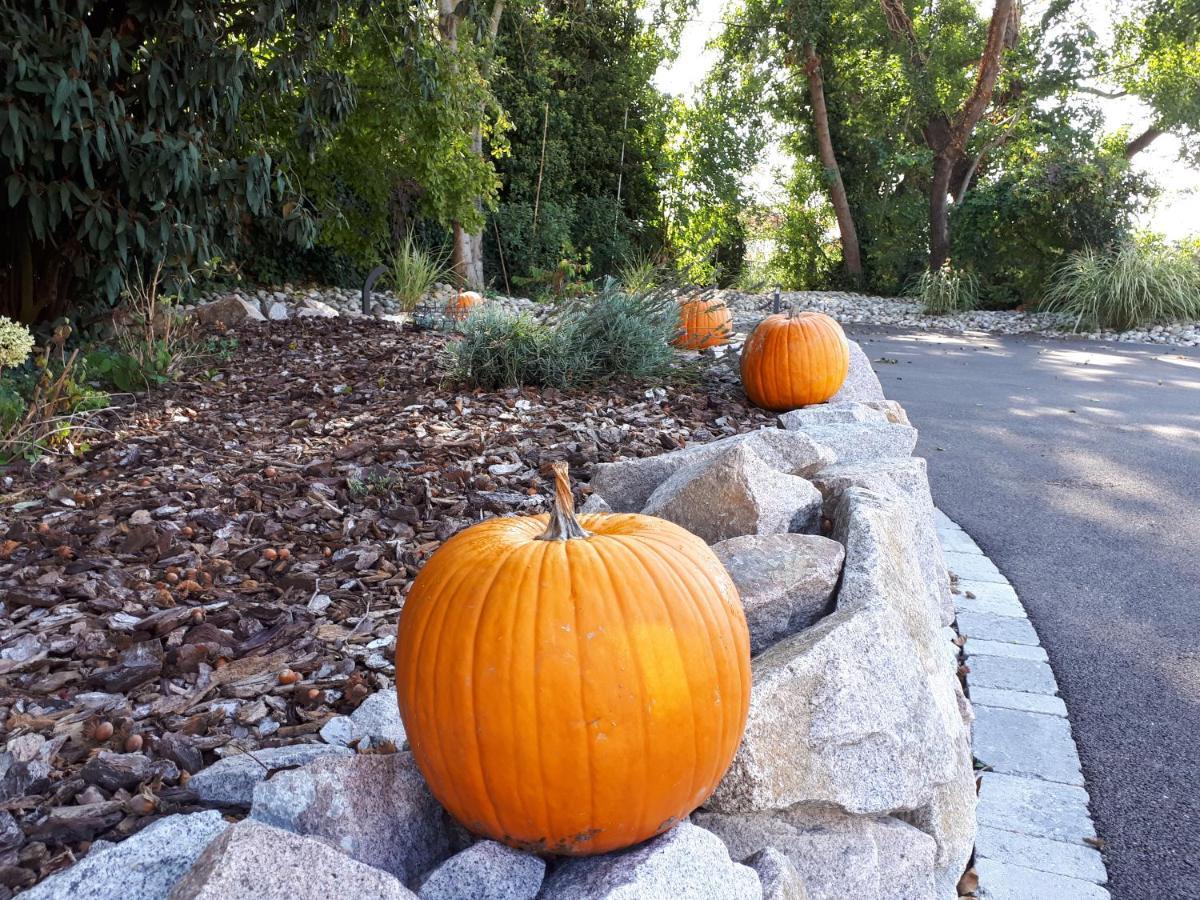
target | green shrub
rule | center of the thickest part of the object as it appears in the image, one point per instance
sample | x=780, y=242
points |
x=149, y=341
x=43, y=403
x=502, y=349
x=616, y=334
x=415, y=271
x=1015, y=230
x=946, y=290
x=609, y=336
x=12, y=407
x=1130, y=287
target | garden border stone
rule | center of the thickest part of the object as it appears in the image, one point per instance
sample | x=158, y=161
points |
x=1034, y=825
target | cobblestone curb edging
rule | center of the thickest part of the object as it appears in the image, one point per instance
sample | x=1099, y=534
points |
x=1034, y=824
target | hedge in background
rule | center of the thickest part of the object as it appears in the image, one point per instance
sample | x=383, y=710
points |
x=130, y=132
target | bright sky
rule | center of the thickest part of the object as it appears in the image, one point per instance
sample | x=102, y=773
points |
x=1176, y=214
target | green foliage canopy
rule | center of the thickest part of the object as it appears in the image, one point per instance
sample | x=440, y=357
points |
x=127, y=132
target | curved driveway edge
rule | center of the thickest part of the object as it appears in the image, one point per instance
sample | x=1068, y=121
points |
x=1036, y=838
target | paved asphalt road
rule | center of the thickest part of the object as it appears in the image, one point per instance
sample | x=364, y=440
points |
x=1076, y=467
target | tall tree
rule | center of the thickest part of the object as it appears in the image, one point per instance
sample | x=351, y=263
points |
x=1157, y=59
x=467, y=247
x=851, y=257
x=946, y=133
x=406, y=156
x=582, y=181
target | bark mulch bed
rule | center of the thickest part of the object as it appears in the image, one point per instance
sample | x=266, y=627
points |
x=223, y=572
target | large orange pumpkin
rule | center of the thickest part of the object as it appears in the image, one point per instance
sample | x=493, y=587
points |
x=573, y=685
x=794, y=359
x=459, y=307
x=703, y=323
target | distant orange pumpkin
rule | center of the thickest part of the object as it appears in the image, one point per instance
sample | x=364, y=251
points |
x=794, y=359
x=570, y=685
x=460, y=306
x=703, y=323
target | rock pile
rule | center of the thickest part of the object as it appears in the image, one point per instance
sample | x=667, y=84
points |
x=854, y=777
x=228, y=309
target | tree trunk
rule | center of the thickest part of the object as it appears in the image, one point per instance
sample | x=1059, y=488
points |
x=1142, y=141
x=939, y=212
x=947, y=137
x=466, y=254
x=851, y=255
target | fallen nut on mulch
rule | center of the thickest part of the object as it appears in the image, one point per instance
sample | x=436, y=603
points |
x=234, y=579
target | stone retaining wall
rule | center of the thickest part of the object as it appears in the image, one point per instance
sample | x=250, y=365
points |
x=854, y=778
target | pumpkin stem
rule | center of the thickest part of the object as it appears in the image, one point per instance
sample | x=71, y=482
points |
x=563, y=525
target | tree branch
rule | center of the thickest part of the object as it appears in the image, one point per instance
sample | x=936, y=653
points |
x=1107, y=95
x=901, y=26
x=977, y=102
x=1142, y=141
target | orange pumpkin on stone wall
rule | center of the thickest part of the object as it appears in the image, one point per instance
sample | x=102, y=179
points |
x=703, y=323
x=459, y=307
x=570, y=685
x=794, y=359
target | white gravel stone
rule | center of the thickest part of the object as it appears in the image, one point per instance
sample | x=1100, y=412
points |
x=627, y=484
x=778, y=875
x=860, y=443
x=841, y=413
x=850, y=308
x=861, y=381
x=736, y=493
x=895, y=512
x=842, y=713
x=595, y=504
x=376, y=808
x=378, y=717
x=229, y=312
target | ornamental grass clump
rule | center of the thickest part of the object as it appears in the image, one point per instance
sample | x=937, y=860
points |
x=618, y=334
x=1131, y=287
x=414, y=272
x=502, y=349
x=609, y=336
x=947, y=290
x=639, y=274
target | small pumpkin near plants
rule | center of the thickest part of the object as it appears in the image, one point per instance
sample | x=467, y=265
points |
x=460, y=306
x=573, y=685
x=703, y=322
x=794, y=359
